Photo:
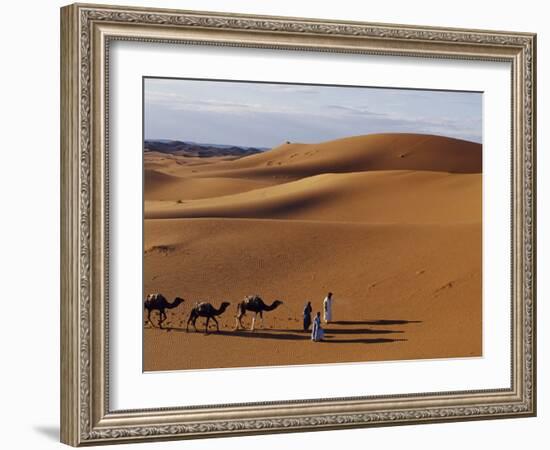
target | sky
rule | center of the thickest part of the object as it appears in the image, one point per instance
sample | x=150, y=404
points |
x=267, y=114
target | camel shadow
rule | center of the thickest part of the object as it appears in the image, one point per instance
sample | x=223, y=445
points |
x=298, y=335
x=375, y=322
x=274, y=334
x=262, y=334
x=191, y=330
x=163, y=328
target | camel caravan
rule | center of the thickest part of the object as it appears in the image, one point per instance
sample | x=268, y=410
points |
x=251, y=303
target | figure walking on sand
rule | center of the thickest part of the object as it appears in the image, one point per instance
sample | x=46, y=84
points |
x=317, y=332
x=327, y=308
x=307, y=316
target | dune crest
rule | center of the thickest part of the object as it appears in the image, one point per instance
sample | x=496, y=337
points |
x=369, y=152
x=201, y=178
x=363, y=197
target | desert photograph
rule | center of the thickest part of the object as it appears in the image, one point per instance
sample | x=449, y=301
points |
x=294, y=224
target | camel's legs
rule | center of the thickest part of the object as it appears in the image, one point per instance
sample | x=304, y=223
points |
x=192, y=320
x=161, y=313
x=206, y=325
x=238, y=322
x=253, y=322
x=262, y=322
x=216, y=322
x=149, y=318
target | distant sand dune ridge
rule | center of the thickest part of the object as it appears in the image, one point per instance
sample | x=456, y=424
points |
x=370, y=152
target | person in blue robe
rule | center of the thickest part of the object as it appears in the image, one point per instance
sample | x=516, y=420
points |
x=307, y=316
x=317, y=332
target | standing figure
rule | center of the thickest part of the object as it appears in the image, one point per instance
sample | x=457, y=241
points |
x=307, y=316
x=327, y=307
x=317, y=332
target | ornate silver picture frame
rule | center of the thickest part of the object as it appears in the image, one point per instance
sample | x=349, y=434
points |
x=87, y=33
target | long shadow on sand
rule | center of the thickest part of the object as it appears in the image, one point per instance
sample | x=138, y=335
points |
x=263, y=334
x=304, y=337
x=330, y=331
x=375, y=322
x=272, y=334
x=361, y=341
x=359, y=331
x=298, y=335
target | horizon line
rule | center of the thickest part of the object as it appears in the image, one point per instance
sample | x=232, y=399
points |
x=474, y=141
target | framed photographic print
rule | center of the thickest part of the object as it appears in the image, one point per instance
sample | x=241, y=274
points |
x=292, y=224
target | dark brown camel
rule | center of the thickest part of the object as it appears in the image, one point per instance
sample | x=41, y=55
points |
x=255, y=304
x=158, y=301
x=204, y=309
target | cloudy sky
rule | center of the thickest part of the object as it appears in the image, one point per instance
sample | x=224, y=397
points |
x=266, y=115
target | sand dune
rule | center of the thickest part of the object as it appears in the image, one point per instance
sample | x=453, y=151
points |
x=162, y=186
x=353, y=154
x=390, y=223
x=178, y=165
x=370, y=197
x=359, y=153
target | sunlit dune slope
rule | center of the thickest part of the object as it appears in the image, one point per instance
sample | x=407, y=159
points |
x=360, y=153
x=369, y=197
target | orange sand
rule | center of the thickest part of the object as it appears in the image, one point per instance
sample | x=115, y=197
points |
x=390, y=223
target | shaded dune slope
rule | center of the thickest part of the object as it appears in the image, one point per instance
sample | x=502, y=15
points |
x=162, y=186
x=370, y=197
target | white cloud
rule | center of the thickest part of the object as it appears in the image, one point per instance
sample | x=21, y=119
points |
x=290, y=112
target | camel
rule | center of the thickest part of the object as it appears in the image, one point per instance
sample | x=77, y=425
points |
x=255, y=304
x=204, y=309
x=158, y=301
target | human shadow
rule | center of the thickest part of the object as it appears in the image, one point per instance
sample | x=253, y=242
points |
x=375, y=322
x=359, y=331
x=361, y=340
x=298, y=335
x=302, y=336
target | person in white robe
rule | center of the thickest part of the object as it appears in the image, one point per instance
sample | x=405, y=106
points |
x=317, y=332
x=327, y=308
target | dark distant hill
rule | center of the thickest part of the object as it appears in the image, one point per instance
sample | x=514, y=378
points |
x=196, y=149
